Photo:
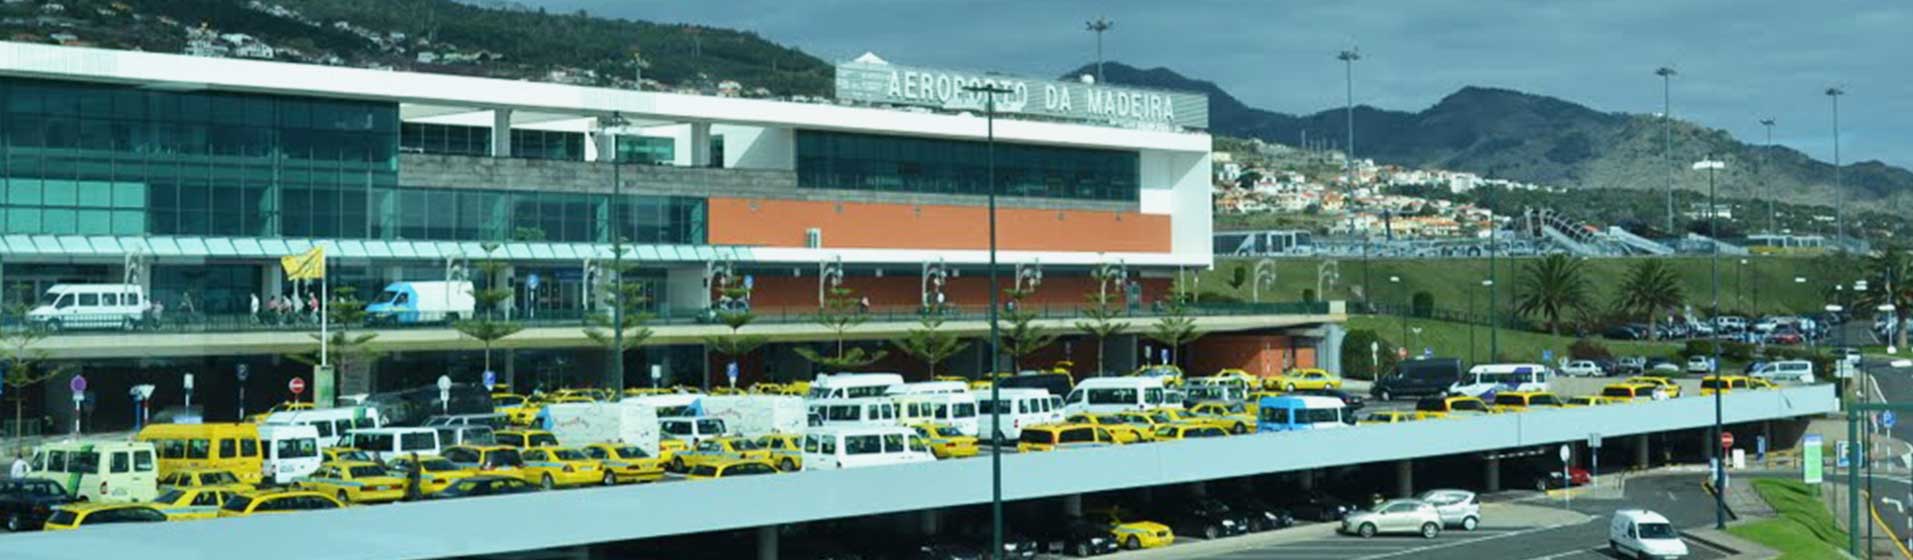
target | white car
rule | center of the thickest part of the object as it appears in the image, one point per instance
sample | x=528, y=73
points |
x=1639, y=533
x=1458, y=508
x=1700, y=364
x=1798, y=371
x=1582, y=368
x=1395, y=516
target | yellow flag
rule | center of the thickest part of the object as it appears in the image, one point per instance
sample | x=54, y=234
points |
x=308, y=266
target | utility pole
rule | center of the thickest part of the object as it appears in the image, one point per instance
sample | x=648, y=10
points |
x=1839, y=190
x=1768, y=183
x=1348, y=58
x=1098, y=26
x=614, y=376
x=1667, y=137
x=1715, y=450
x=989, y=93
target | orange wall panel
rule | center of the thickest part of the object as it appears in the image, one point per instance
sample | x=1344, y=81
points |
x=1260, y=355
x=857, y=225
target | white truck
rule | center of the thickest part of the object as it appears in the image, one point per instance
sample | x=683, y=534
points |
x=629, y=422
x=422, y=302
x=757, y=415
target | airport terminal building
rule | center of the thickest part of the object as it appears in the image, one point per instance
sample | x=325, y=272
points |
x=193, y=176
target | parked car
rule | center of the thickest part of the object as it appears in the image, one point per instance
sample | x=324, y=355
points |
x=1395, y=516
x=1643, y=534
x=1206, y=518
x=1422, y=377
x=1661, y=365
x=1316, y=505
x=1582, y=368
x=1700, y=364
x=1625, y=332
x=27, y=502
x=1261, y=515
x=1543, y=477
x=1730, y=323
x=1458, y=508
x=485, y=485
x=1074, y=536
x=1632, y=364
x=1797, y=371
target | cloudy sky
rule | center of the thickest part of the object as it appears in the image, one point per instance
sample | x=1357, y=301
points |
x=1739, y=60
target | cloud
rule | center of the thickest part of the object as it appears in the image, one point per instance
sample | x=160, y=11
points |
x=1739, y=60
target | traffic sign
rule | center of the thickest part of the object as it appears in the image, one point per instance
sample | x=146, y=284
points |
x=187, y=381
x=1887, y=418
x=296, y=385
x=1726, y=440
x=532, y=282
x=730, y=371
x=444, y=382
x=78, y=384
x=1566, y=452
x=491, y=378
x=244, y=372
x=1594, y=441
x=1811, y=471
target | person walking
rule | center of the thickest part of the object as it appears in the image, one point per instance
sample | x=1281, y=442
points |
x=255, y=306
x=412, y=475
x=20, y=469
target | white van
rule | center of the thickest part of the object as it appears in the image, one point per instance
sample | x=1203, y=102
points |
x=468, y=434
x=929, y=388
x=1799, y=371
x=100, y=471
x=1016, y=408
x=391, y=443
x=1297, y=413
x=955, y=409
x=1639, y=533
x=494, y=420
x=1486, y=379
x=691, y=429
x=292, y=451
x=91, y=306
x=333, y=423
x=863, y=446
x=1105, y=395
x=853, y=385
x=871, y=411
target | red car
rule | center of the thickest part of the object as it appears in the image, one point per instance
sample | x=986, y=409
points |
x=1551, y=479
x=1783, y=337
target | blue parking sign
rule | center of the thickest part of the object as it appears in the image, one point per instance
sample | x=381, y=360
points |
x=1887, y=418
x=491, y=378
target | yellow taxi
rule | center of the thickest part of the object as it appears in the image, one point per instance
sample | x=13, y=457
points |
x=573, y=395
x=1521, y=401
x=182, y=504
x=1185, y=431
x=276, y=502
x=1123, y=430
x=1134, y=534
x=486, y=459
x=1253, y=402
x=67, y=517
x=1237, y=414
x=1303, y=378
x=524, y=439
x=1629, y=392
x=1722, y=383
x=1593, y=400
x=648, y=391
x=1171, y=376
x=1233, y=425
x=951, y=378
x=1667, y=386
x=946, y=441
x=344, y=454
x=625, y=463
x=669, y=449
x=504, y=401
x=729, y=468
x=787, y=450
x=1443, y=407
x=203, y=478
x=719, y=449
x=1049, y=437
x=354, y=483
x=552, y=467
x=1238, y=377
x=726, y=391
x=1389, y=417
x=281, y=407
x=985, y=383
x=1760, y=383
x=434, y=473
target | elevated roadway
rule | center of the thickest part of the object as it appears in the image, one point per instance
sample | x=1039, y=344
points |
x=548, y=520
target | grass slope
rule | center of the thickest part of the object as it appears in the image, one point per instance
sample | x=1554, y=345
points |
x=1452, y=340
x=1802, y=529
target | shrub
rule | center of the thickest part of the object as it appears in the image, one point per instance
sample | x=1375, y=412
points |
x=1737, y=351
x=1308, y=294
x=1422, y=304
x=1358, y=362
x=1697, y=348
x=1588, y=349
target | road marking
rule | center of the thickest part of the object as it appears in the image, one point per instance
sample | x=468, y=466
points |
x=1671, y=497
x=1421, y=549
x=1897, y=545
x=1594, y=551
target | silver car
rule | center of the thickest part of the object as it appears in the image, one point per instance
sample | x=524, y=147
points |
x=1458, y=508
x=1395, y=516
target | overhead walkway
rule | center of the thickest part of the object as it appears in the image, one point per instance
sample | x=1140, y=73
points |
x=572, y=518
x=1638, y=243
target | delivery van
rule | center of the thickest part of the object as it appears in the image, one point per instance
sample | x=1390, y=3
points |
x=90, y=306
x=422, y=302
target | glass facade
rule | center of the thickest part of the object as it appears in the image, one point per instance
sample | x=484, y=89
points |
x=422, y=138
x=655, y=150
x=478, y=215
x=835, y=160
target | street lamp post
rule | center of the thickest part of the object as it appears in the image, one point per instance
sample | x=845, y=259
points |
x=1667, y=137
x=614, y=375
x=1396, y=283
x=1098, y=26
x=1720, y=459
x=1264, y=272
x=989, y=93
x=1471, y=323
x=1839, y=190
x=1769, y=124
x=1348, y=58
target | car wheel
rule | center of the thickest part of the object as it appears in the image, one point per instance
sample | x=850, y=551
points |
x=15, y=524
x=54, y=325
x=1387, y=395
x=547, y=483
x=1133, y=543
x=1211, y=533
x=126, y=325
x=1081, y=550
x=787, y=465
x=1430, y=530
x=677, y=464
x=610, y=479
x=1366, y=530
x=344, y=498
x=1240, y=428
x=1470, y=523
x=1291, y=387
x=1541, y=485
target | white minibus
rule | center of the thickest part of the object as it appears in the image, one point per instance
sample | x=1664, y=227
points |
x=1104, y=395
x=852, y=447
x=1017, y=408
x=1486, y=379
x=870, y=411
x=956, y=409
x=853, y=385
x=292, y=451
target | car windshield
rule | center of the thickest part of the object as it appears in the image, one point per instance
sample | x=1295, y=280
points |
x=237, y=503
x=170, y=497
x=1658, y=531
x=704, y=470
x=217, y=478
x=948, y=431
x=629, y=452
x=41, y=488
x=364, y=471
x=437, y=465
x=569, y=455
x=354, y=455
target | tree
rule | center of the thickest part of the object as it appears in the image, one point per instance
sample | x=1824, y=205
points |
x=603, y=326
x=347, y=351
x=839, y=314
x=1175, y=328
x=1366, y=355
x=26, y=365
x=1101, y=314
x=1238, y=278
x=1892, y=271
x=1018, y=330
x=929, y=342
x=734, y=311
x=1551, y=288
x=1651, y=288
x=487, y=327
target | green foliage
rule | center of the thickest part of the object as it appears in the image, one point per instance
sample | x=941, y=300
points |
x=1174, y=328
x=27, y=365
x=1588, y=349
x=1802, y=528
x=1238, y=278
x=487, y=327
x=1308, y=294
x=1650, y=289
x=1018, y=331
x=1890, y=279
x=1551, y=288
x=1359, y=363
x=345, y=350
x=1422, y=304
x=929, y=342
x=839, y=314
x=602, y=326
x=733, y=314
x=1100, y=316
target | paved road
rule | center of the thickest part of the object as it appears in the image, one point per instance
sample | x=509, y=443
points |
x=1893, y=499
x=1678, y=496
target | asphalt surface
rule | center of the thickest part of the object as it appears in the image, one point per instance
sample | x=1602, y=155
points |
x=1677, y=496
x=1893, y=500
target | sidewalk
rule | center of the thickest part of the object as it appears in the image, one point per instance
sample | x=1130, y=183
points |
x=1494, y=515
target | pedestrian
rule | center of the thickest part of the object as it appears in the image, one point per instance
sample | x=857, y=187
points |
x=255, y=306
x=412, y=475
x=186, y=303
x=20, y=469
x=312, y=303
x=863, y=305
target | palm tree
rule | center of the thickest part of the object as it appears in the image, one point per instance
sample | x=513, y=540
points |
x=1552, y=287
x=1651, y=288
x=1892, y=270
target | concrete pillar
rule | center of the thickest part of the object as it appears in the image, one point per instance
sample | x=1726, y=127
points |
x=602, y=147
x=1306, y=479
x=1404, y=478
x=1073, y=505
x=501, y=133
x=767, y=542
x=1491, y=474
x=700, y=145
x=1641, y=452
x=929, y=522
x=1328, y=348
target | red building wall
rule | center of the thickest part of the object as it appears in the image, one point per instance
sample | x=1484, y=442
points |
x=1261, y=355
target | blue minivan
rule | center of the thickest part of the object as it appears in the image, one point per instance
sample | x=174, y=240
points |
x=1288, y=414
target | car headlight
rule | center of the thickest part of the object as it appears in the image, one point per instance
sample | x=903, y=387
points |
x=1009, y=547
x=1228, y=523
x=1268, y=515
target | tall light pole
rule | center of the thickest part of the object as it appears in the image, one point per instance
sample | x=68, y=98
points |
x=1667, y=137
x=614, y=375
x=1769, y=124
x=989, y=93
x=1098, y=26
x=1839, y=191
x=1395, y=282
x=1348, y=58
x=1713, y=259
